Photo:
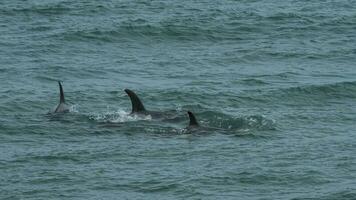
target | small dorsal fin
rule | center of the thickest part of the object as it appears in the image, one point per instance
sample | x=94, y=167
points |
x=137, y=105
x=61, y=98
x=192, y=119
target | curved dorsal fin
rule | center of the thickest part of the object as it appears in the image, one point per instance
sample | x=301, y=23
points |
x=61, y=98
x=192, y=119
x=137, y=105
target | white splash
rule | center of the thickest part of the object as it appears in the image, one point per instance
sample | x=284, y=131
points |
x=73, y=109
x=119, y=116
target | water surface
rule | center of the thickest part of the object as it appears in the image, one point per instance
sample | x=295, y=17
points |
x=277, y=76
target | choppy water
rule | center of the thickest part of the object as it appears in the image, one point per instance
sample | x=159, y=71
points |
x=277, y=76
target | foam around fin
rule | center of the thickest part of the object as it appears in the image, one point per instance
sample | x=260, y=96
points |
x=137, y=105
x=192, y=119
x=61, y=98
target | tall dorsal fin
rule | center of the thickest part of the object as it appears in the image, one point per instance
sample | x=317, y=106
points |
x=192, y=119
x=137, y=105
x=61, y=98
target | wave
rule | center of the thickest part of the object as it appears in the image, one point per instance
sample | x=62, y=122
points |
x=312, y=94
x=335, y=90
x=54, y=9
x=57, y=8
x=288, y=17
x=282, y=75
x=224, y=121
x=342, y=194
x=252, y=82
x=147, y=31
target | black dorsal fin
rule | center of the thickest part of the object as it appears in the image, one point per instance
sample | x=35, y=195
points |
x=61, y=98
x=192, y=119
x=137, y=105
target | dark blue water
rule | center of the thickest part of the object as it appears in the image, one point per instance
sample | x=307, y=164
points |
x=274, y=79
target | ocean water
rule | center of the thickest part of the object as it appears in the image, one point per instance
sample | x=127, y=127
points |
x=277, y=78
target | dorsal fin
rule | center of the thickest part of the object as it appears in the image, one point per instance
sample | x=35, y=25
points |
x=192, y=119
x=137, y=105
x=61, y=98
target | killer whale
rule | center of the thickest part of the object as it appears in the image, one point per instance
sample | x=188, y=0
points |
x=192, y=120
x=62, y=106
x=137, y=105
x=139, y=109
x=194, y=126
